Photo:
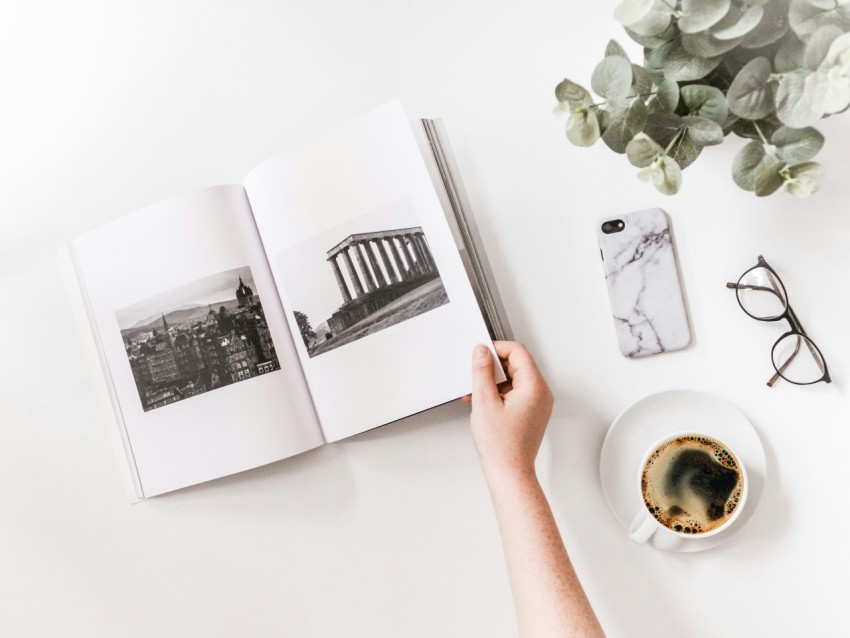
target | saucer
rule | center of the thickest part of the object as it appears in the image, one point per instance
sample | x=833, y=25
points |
x=656, y=416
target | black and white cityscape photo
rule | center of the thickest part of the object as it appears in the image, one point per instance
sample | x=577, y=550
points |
x=362, y=282
x=198, y=337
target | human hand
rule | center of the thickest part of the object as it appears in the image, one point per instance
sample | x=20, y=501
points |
x=508, y=422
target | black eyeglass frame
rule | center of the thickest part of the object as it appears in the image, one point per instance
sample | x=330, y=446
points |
x=790, y=316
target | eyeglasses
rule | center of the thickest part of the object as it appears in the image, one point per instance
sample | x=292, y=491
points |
x=796, y=358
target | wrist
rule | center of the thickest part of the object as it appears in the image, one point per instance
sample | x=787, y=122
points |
x=509, y=474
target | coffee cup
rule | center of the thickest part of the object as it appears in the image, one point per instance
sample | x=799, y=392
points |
x=690, y=486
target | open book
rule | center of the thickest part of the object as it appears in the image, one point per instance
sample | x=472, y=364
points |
x=340, y=288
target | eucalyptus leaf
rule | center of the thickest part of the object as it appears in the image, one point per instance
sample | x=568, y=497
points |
x=746, y=166
x=803, y=179
x=750, y=95
x=614, y=48
x=704, y=44
x=807, y=16
x=630, y=11
x=738, y=22
x=684, y=151
x=703, y=131
x=817, y=87
x=699, y=15
x=654, y=41
x=654, y=106
x=704, y=100
x=819, y=44
x=625, y=124
x=654, y=23
x=573, y=94
x=773, y=25
x=561, y=111
x=790, y=54
x=837, y=97
x=665, y=173
x=643, y=150
x=612, y=78
x=794, y=145
x=769, y=180
x=838, y=55
x=669, y=180
x=836, y=66
x=641, y=80
x=750, y=129
x=668, y=95
x=604, y=118
x=583, y=128
x=663, y=127
x=677, y=64
x=799, y=97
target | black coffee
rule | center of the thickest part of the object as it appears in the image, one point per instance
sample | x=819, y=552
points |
x=692, y=484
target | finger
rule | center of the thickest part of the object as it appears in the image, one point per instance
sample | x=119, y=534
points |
x=484, y=390
x=521, y=366
x=467, y=398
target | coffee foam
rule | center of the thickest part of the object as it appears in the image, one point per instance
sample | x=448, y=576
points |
x=692, y=484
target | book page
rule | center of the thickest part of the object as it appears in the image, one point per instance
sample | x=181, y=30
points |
x=369, y=274
x=193, y=334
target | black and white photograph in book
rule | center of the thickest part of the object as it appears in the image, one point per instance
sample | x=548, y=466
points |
x=362, y=277
x=197, y=337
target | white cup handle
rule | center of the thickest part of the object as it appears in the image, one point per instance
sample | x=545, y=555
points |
x=643, y=527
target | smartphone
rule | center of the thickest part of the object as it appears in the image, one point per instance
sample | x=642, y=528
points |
x=644, y=285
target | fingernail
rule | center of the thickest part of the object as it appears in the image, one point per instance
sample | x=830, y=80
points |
x=480, y=351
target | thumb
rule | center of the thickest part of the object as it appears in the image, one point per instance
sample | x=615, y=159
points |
x=484, y=390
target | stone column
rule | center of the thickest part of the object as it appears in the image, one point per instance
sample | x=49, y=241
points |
x=423, y=250
x=415, y=263
x=376, y=268
x=346, y=296
x=355, y=280
x=367, y=277
x=428, y=254
x=387, y=262
x=402, y=269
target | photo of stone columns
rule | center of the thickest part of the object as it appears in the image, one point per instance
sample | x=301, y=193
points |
x=382, y=277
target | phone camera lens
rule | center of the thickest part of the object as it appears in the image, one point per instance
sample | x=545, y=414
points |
x=614, y=226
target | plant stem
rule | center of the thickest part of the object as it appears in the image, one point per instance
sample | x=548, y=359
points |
x=761, y=135
x=675, y=139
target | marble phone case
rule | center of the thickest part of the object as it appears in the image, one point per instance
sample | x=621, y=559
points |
x=643, y=284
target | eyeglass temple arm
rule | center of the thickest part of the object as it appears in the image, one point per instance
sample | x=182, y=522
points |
x=781, y=369
x=729, y=284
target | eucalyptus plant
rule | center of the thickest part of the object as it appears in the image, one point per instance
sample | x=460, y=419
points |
x=766, y=70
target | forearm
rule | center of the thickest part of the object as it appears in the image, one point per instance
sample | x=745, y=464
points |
x=548, y=596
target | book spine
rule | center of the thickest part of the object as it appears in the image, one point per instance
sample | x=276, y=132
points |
x=93, y=347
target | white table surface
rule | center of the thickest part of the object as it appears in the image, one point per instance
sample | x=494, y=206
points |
x=107, y=107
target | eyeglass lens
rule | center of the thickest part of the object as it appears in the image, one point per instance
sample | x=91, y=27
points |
x=761, y=294
x=797, y=359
